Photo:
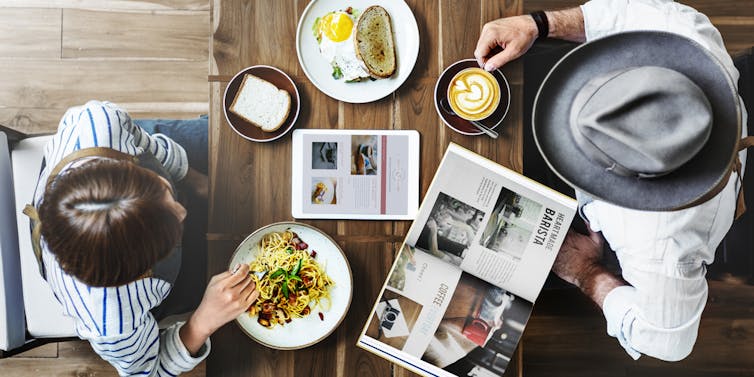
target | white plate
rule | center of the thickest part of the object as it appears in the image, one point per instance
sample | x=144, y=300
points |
x=318, y=70
x=301, y=332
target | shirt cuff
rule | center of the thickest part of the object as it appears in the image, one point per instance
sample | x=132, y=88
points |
x=617, y=310
x=177, y=159
x=602, y=17
x=182, y=352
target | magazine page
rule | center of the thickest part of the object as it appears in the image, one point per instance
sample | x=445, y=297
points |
x=437, y=320
x=355, y=174
x=492, y=222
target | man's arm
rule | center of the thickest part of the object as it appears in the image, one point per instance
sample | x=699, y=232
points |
x=515, y=35
x=658, y=315
x=579, y=263
x=567, y=24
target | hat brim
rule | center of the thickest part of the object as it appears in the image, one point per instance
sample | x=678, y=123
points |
x=682, y=187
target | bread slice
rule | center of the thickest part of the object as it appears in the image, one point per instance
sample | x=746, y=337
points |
x=374, y=42
x=261, y=103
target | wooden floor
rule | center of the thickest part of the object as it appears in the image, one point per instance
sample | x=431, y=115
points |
x=151, y=56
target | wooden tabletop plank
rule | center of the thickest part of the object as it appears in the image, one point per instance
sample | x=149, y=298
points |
x=228, y=25
x=369, y=264
x=427, y=15
x=254, y=32
x=460, y=23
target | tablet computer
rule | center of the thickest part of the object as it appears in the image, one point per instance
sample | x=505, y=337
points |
x=355, y=174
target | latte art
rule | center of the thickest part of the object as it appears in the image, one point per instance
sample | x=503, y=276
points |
x=474, y=94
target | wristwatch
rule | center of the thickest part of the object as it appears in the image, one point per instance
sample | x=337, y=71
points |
x=543, y=26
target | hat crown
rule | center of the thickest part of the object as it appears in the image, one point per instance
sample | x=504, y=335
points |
x=642, y=121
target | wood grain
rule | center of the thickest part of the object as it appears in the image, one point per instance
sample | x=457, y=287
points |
x=369, y=264
x=427, y=15
x=460, y=26
x=567, y=331
x=110, y=4
x=65, y=83
x=181, y=36
x=47, y=350
x=30, y=33
x=230, y=177
x=235, y=19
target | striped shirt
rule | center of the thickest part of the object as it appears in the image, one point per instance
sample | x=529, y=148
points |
x=116, y=320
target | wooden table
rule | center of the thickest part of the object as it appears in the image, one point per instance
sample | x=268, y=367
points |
x=250, y=183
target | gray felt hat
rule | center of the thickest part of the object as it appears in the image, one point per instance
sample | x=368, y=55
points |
x=644, y=120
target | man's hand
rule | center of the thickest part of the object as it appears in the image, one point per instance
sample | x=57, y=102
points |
x=579, y=263
x=578, y=255
x=514, y=34
x=228, y=295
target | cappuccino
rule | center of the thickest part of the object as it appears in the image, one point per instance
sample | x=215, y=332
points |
x=473, y=94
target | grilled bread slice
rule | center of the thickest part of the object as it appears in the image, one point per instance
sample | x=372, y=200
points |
x=261, y=103
x=375, y=46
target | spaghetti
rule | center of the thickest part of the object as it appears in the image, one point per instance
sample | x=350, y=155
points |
x=292, y=280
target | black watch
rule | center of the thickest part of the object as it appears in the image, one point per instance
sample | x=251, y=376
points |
x=543, y=26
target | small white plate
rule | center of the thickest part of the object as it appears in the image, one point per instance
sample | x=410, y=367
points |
x=306, y=331
x=318, y=70
x=278, y=78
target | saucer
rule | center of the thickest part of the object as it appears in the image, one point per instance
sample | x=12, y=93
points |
x=459, y=124
x=276, y=77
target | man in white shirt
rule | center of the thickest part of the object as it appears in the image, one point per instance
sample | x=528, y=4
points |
x=654, y=308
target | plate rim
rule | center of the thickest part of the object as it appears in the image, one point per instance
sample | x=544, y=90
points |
x=440, y=112
x=350, y=293
x=414, y=57
x=298, y=103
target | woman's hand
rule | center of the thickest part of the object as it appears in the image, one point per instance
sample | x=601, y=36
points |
x=228, y=295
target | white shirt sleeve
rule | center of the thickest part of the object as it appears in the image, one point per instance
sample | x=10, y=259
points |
x=662, y=254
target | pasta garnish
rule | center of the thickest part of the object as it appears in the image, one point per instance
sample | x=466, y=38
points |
x=293, y=283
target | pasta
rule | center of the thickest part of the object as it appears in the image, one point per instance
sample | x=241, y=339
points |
x=292, y=280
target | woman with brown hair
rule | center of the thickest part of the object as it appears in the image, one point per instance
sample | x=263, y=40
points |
x=109, y=235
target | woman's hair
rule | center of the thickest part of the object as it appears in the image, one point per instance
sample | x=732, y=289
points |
x=107, y=221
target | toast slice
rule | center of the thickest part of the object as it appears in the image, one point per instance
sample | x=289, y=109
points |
x=375, y=46
x=261, y=103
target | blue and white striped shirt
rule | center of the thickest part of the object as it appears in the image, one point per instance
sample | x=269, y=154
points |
x=116, y=320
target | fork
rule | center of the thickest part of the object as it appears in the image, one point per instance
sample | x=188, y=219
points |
x=260, y=274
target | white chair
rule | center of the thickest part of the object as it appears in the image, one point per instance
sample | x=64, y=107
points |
x=29, y=313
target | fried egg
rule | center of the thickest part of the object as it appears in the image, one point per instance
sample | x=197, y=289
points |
x=337, y=46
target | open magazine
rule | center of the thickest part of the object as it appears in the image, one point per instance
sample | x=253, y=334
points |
x=474, y=261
